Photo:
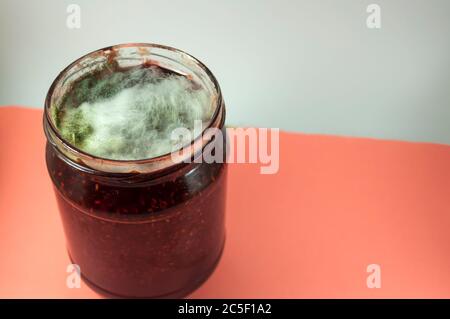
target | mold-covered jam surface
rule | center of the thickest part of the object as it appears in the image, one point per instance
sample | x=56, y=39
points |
x=157, y=234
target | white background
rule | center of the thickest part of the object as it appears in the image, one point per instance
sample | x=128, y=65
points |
x=309, y=66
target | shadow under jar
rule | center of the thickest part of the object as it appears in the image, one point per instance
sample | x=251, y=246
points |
x=146, y=228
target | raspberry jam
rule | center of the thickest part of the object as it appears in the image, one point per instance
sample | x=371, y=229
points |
x=137, y=227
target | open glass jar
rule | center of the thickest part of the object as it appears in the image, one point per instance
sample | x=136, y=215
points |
x=147, y=228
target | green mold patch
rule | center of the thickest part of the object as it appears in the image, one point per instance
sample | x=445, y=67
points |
x=76, y=127
x=130, y=114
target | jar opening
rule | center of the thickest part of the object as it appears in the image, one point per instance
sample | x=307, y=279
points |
x=118, y=106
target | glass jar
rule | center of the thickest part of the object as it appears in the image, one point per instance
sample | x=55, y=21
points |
x=150, y=228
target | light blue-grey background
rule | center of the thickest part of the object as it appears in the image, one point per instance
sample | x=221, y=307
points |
x=311, y=66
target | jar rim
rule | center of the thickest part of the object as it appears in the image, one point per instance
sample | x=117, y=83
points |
x=52, y=133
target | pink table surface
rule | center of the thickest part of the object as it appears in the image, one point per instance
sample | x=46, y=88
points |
x=337, y=205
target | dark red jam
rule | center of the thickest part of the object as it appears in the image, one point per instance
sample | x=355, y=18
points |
x=150, y=234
